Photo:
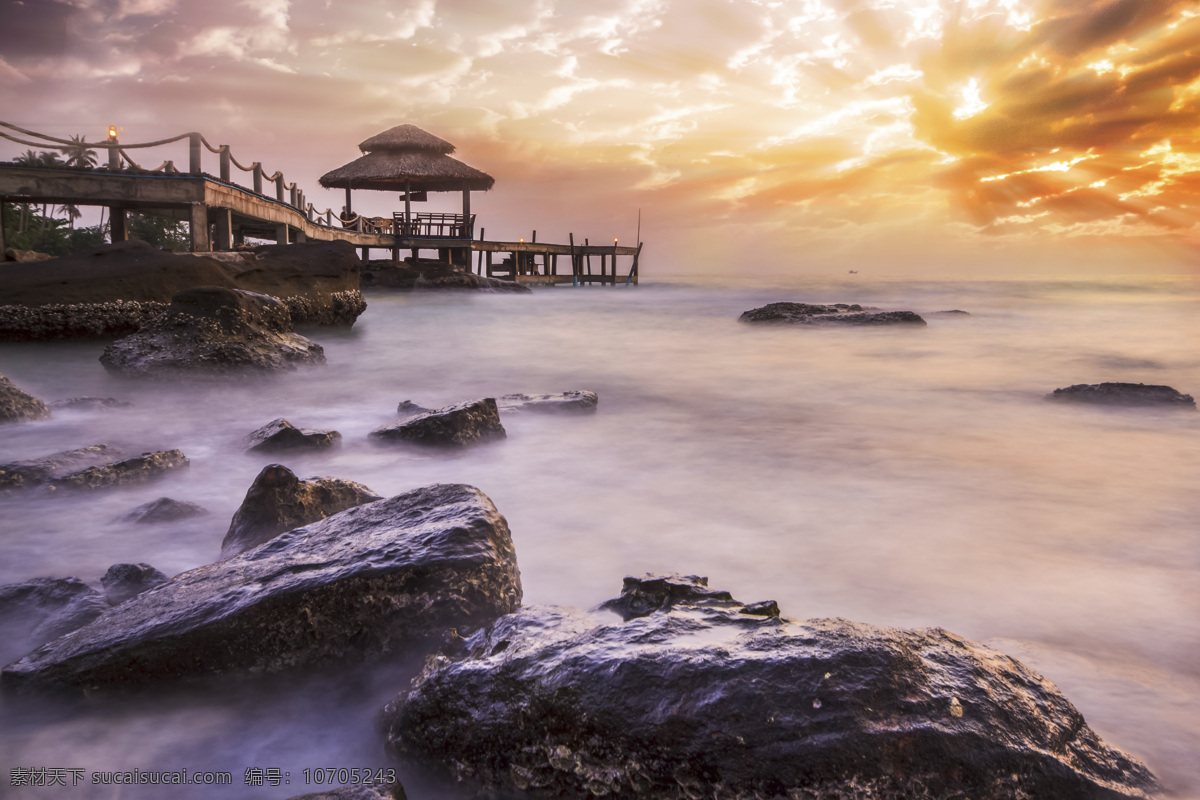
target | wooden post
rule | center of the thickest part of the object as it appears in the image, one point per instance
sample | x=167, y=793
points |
x=574, y=259
x=114, y=156
x=349, y=209
x=408, y=211
x=586, y=244
x=224, y=221
x=613, y=277
x=482, y=237
x=198, y=228
x=279, y=187
x=1, y=227
x=225, y=165
x=257, y=177
x=118, y=230
x=534, y=241
x=633, y=271
x=301, y=237
x=282, y=233
x=467, y=232
x=489, y=263
x=193, y=154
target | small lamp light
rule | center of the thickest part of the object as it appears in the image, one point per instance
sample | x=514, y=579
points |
x=112, y=131
x=522, y=240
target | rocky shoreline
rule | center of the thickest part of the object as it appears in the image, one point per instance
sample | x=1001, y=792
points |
x=671, y=690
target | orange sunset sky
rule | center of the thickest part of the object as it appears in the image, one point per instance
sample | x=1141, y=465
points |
x=962, y=137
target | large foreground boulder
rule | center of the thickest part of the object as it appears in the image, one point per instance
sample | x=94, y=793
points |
x=114, y=289
x=457, y=426
x=688, y=694
x=1124, y=394
x=17, y=405
x=833, y=314
x=214, y=331
x=382, y=578
x=278, y=501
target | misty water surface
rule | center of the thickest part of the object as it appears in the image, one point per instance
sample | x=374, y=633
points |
x=909, y=477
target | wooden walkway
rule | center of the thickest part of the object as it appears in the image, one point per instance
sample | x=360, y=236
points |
x=221, y=214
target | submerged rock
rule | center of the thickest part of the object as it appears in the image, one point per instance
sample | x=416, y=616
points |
x=34, y=612
x=125, y=581
x=456, y=426
x=91, y=403
x=832, y=314
x=407, y=408
x=573, y=402
x=694, y=695
x=279, y=435
x=17, y=405
x=1124, y=394
x=213, y=330
x=164, y=509
x=382, y=578
x=278, y=501
x=37, y=471
x=140, y=469
x=410, y=276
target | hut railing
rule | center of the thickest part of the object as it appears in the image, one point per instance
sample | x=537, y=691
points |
x=433, y=225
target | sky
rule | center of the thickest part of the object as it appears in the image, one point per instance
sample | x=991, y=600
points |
x=964, y=137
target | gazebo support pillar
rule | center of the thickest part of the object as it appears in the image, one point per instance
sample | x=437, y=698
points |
x=349, y=210
x=468, y=229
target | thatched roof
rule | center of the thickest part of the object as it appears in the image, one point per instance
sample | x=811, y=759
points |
x=423, y=171
x=407, y=137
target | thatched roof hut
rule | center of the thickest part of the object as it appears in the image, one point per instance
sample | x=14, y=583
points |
x=406, y=158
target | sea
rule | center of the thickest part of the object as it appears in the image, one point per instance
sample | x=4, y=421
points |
x=900, y=476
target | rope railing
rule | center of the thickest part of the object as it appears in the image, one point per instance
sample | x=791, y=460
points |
x=287, y=193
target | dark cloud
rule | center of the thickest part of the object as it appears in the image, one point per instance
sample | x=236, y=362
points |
x=33, y=29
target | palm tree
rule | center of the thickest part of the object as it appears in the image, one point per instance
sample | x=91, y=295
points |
x=73, y=213
x=78, y=154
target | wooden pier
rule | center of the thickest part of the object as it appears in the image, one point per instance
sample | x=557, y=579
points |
x=222, y=214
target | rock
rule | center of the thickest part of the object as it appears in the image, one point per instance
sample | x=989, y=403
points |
x=280, y=435
x=407, y=408
x=834, y=314
x=91, y=403
x=212, y=330
x=431, y=275
x=689, y=696
x=278, y=501
x=382, y=578
x=114, y=289
x=573, y=402
x=393, y=791
x=319, y=281
x=456, y=426
x=1124, y=394
x=164, y=509
x=12, y=254
x=18, y=406
x=37, y=471
x=140, y=469
x=124, y=581
x=42, y=609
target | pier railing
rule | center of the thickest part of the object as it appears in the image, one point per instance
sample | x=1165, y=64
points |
x=120, y=160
